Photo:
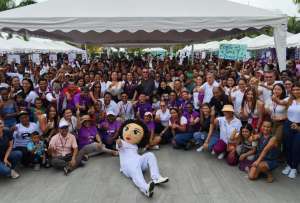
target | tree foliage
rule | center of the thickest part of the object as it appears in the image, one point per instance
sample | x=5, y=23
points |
x=9, y=4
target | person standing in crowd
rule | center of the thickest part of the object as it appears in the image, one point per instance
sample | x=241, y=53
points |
x=73, y=121
x=237, y=96
x=266, y=87
x=8, y=158
x=108, y=104
x=277, y=112
x=129, y=85
x=291, y=131
x=8, y=109
x=146, y=85
x=218, y=100
x=126, y=110
x=82, y=100
x=252, y=109
x=115, y=87
x=207, y=87
x=28, y=91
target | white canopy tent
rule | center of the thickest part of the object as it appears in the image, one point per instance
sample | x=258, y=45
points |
x=140, y=21
x=16, y=44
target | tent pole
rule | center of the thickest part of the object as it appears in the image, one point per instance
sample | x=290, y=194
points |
x=192, y=52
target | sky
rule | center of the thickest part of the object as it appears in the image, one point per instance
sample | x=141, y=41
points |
x=285, y=6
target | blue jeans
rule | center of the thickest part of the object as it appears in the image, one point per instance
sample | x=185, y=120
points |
x=13, y=158
x=181, y=139
x=200, y=138
x=291, y=145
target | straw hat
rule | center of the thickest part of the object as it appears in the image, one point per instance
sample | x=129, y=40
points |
x=85, y=118
x=228, y=108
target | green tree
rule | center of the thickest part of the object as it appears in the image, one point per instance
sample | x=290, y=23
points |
x=6, y=4
x=293, y=25
x=26, y=3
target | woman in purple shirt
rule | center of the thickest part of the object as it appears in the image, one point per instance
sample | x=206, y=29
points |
x=154, y=139
x=89, y=140
x=109, y=129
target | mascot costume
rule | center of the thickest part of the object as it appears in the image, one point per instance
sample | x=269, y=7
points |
x=132, y=135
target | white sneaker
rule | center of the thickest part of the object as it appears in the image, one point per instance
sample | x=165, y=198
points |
x=14, y=174
x=200, y=149
x=221, y=156
x=149, y=192
x=293, y=174
x=161, y=180
x=286, y=170
x=213, y=152
x=156, y=147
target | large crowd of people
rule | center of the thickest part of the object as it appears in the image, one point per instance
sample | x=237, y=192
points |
x=247, y=113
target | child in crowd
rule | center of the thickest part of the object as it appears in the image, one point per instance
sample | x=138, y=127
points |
x=37, y=149
x=266, y=154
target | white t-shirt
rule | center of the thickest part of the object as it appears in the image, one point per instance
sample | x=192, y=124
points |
x=111, y=107
x=226, y=129
x=22, y=135
x=266, y=94
x=164, y=117
x=30, y=98
x=183, y=121
x=293, y=112
x=208, y=91
x=275, y=109
x=237, y=98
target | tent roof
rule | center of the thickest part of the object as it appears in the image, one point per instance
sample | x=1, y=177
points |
x=138, y=21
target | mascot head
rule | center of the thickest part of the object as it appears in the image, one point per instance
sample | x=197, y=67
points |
x=134, y=132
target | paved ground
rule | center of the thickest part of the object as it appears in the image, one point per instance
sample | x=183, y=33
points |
x=194, y=177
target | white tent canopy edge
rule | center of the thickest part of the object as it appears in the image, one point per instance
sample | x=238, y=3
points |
x=90, y=19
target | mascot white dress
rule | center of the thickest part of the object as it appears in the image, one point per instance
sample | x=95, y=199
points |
x=132, y=135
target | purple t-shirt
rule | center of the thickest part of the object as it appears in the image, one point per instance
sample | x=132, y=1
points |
x=86, y=136
x=81, y=100
x=188, y=116
x=143, y=108
x=112, y=128
x=150, y=125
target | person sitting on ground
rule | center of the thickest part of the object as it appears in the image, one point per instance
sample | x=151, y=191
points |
x=63, y=149
x=89, y=139
x=22, y=133
x=37, y=149
x=247, y=147
x=154, y=140
x=109, y=129
x=227, y=124
x=266, y=154
x=8, y=158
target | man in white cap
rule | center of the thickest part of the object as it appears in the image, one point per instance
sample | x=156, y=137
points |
x=64, y=150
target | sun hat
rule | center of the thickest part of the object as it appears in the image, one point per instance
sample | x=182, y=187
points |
x=228, y=108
